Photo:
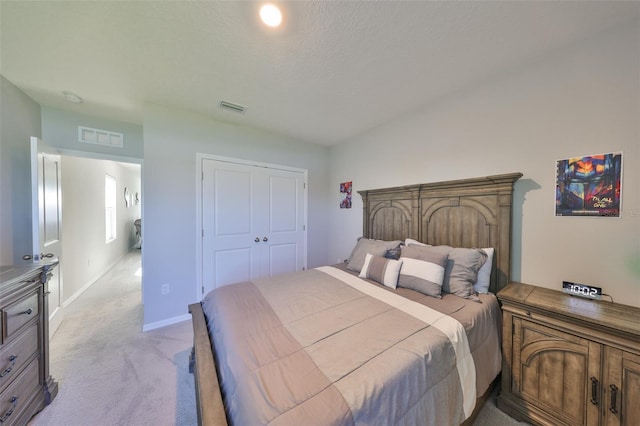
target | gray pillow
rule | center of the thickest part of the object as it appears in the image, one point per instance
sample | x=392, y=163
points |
x=422, y=269
x=373, y=247
x=462, y=270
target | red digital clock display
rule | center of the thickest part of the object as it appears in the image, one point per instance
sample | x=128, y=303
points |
x=582, y=290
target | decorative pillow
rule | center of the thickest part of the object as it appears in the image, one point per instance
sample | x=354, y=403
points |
x=394, y=253
x=381, y=270
x=364, y=246
x=484, y=273
x=422, y=269
x=462, y=270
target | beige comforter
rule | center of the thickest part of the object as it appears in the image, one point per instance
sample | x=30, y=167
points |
x=325, y=347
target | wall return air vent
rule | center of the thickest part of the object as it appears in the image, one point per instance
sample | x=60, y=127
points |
x=100, y=137
x=232, y=107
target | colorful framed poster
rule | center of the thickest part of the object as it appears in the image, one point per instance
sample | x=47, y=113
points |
x=345, y=195
x=589, y=186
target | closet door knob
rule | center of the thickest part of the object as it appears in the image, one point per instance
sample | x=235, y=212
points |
x=265, y=239
x=257, y=240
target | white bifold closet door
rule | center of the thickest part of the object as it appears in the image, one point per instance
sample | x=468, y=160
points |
x=253, y=221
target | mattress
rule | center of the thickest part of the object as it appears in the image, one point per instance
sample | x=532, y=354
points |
x=326, y=347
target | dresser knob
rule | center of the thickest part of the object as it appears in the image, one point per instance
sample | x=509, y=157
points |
x=14, y=402
x=12, y=360
x=614, y=394
x=594, y=391
x=27, y=312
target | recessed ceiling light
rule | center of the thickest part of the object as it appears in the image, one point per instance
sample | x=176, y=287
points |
x=270, y=15
x=72, y=97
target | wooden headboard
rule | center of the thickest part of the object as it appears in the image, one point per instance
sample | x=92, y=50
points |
x=460, y=213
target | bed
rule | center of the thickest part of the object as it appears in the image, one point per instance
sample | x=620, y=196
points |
x=340, y=345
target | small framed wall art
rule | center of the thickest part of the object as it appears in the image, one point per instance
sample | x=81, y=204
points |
x=345, y=195
x=589, y=185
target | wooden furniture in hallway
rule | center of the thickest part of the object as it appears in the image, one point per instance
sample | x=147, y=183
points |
x=26, y=385
x=569, y=360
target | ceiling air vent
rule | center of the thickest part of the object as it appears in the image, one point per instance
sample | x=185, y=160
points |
x=232, y=107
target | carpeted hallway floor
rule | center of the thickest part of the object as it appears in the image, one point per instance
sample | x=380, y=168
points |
x=110, y=373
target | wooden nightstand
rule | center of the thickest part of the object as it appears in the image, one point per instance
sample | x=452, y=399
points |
x=569, y=360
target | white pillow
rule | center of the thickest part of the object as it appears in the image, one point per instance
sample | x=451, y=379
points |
x=381, y=270
x=412, y=242
x=484, y=273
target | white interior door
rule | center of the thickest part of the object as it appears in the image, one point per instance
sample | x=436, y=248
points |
x=253, y=222
x=285, y=216
x=229, y=251
x=46, y=196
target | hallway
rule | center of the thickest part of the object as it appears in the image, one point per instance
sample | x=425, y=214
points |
x=108, y=371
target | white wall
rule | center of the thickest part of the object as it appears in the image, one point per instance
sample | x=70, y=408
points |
x=60, y=129
x=86, y=254
x=171, y=140
x=19, y=120
x=578, y=101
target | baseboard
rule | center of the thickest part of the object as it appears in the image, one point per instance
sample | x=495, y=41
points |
x=91, y=282
x=164, y=323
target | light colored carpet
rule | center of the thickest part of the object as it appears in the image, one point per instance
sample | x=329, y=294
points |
x=490, y=415
x=110, y=373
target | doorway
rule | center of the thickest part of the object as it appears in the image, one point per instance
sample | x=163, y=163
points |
x=89, y=248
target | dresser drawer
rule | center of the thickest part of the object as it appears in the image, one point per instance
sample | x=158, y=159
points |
x=18, y=395
x=15, y=355
x=18, y=314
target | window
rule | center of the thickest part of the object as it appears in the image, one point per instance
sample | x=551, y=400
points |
x=110, y=207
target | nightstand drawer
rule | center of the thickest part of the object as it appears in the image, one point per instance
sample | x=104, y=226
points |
x=19, y=313
x=16, y=354
x=14, y=399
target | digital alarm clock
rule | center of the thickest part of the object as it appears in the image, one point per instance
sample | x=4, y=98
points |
x=581, y=290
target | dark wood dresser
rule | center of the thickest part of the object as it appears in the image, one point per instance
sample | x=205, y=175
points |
x=569, y=360
x=26, y=386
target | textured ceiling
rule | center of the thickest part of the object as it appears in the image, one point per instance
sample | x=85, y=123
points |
x=334, y=69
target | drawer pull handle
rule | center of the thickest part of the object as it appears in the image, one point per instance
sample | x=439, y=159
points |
x=5, y=416
x=614, y=397
x=27, y=312
x=594, y=391
x=12, y=359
